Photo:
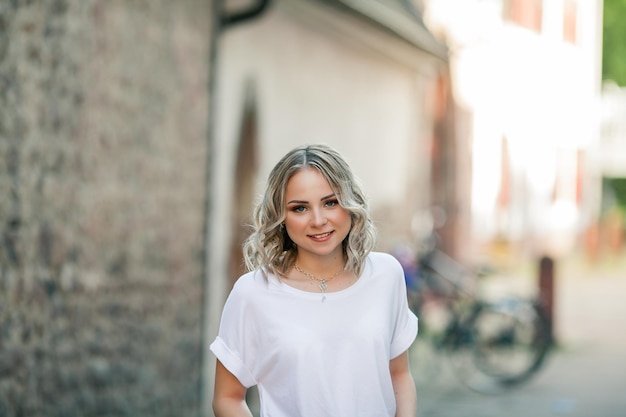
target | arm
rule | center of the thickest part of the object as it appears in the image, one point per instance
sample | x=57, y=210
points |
x=403, y=386
x=229, y=397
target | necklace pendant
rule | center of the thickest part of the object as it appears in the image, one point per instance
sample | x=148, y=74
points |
x=323, y=285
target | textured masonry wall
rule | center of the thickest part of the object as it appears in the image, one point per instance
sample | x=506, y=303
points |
x=103, y=107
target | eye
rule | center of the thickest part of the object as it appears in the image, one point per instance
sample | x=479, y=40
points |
x=332, y=203
x=298, y=209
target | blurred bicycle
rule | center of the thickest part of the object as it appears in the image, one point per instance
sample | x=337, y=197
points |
x=491, y=345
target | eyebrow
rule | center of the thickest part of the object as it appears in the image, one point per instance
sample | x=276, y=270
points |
x=305, y=202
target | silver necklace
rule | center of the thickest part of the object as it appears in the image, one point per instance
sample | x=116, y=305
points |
x=322, y=281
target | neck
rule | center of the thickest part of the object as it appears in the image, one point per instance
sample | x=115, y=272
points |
x=321, y=267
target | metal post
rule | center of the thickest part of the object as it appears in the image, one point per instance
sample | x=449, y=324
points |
x=546, y=289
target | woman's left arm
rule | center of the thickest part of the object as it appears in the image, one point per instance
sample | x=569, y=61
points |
x=403, y=386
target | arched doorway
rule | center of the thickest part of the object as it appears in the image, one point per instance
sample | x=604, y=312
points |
x=243, y=194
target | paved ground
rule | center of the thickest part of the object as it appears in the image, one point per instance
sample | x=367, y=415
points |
x=584, y=377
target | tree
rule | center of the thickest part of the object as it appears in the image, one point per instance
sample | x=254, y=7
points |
x=614, y=42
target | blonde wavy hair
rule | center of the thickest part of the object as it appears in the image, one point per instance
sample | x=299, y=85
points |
x=270, y=249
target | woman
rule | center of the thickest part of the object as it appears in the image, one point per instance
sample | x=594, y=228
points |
x=320, y=323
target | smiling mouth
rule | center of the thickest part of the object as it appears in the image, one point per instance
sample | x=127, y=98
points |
x=321, y=235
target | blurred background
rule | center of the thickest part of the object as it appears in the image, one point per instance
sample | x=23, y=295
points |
x=135, y=137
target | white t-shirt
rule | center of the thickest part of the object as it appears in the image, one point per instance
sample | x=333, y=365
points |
x=314, y=358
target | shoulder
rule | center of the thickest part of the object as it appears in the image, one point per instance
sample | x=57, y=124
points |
x=249, y=293
x=385, y=272
x=383, y=260
x=249, y=284
x=381, y=263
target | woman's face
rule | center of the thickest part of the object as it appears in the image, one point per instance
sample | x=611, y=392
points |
x=315, y=221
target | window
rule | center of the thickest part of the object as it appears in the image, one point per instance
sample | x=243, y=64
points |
x=570, y=14
x=525, y=13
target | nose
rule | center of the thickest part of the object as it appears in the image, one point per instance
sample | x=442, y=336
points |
x=318, y=218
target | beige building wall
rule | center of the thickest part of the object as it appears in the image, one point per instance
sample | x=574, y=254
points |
x=310, y=73
x=313, y=79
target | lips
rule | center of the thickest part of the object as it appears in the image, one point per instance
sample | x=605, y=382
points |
x=321, y=236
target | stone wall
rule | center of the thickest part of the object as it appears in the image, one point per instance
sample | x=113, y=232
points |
x=103, y=108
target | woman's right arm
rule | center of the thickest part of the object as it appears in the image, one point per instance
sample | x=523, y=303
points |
x=229, y=397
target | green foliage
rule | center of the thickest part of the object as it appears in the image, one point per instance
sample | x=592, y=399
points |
x=618, y=189
x=614, y=42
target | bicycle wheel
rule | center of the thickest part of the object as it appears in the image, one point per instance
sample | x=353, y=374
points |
x=499, y=345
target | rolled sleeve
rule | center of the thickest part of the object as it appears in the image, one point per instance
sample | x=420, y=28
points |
x=232, y=362
x=405, y=337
